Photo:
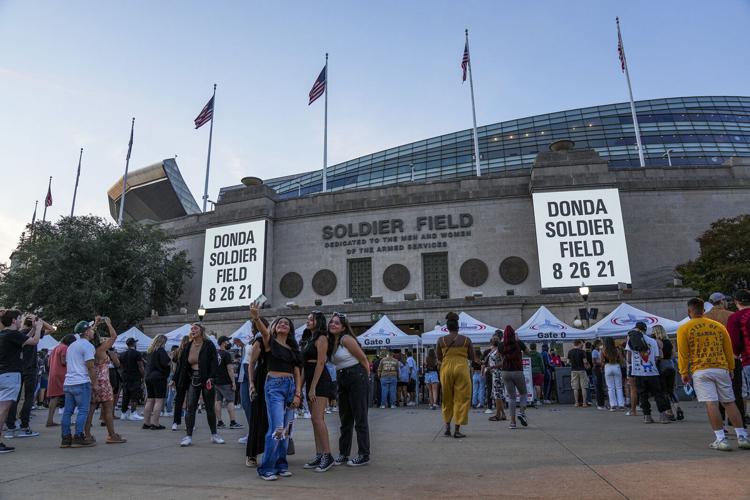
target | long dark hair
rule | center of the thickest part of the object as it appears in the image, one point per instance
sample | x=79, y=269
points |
x=610, y=349
x=347, y=330
x=321, y=330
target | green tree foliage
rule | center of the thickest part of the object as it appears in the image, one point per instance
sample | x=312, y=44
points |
x=724, y=260
x=82, y=266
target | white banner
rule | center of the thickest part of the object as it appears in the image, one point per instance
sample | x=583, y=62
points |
x=580, y=238
x=233, y=264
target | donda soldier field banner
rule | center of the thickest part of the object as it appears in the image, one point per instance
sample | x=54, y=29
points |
x=580, y=238
x=233, y=264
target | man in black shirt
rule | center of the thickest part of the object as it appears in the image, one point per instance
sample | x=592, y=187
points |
x=131, y=362
x=28, y=381
x=11, y=363
x=225, y=385
x=579, y=379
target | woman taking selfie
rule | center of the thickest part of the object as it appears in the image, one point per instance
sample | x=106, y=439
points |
x=352, y=376
x=282, y=390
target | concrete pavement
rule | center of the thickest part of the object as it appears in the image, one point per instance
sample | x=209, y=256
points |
x=565, y=452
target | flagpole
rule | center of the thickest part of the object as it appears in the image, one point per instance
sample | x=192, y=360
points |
x=473, y=110
x=49, y=187
x=210, y=138
x=75, y=190
x=121, y=219
x=325, y=133
x=630, y=92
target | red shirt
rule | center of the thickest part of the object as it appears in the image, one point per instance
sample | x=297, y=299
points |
x=738, y=326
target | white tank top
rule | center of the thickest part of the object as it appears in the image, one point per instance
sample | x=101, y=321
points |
x=342, y=358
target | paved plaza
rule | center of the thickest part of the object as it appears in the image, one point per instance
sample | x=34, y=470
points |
x=565, y=453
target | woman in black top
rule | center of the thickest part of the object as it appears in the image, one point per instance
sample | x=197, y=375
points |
x=156, y=382
x=667, y=373
x=319, y=386
x=282, y=391
x=256, y=380
x=513, y=378
x=198, y=365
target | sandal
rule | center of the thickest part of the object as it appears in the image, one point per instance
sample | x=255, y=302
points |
x=494, y=418
x=116, y=439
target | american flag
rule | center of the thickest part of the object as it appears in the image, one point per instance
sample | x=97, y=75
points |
x=465, y=60
x=206, y=114
x=620, y=47
x=48, y=199
x=319, y=87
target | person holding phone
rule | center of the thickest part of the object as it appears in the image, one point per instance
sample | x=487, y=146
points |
x=198, y=364
x=283, y=391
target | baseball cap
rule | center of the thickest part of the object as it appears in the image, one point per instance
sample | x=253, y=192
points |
x=716, y=297
x=223, y=339
x=742, y=296
x=82, y=326
x=641, y=325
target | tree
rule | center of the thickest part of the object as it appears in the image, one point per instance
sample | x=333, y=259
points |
x=724, y=260
x=82, y=266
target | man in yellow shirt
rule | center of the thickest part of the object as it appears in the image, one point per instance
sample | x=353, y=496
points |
x=705, y=351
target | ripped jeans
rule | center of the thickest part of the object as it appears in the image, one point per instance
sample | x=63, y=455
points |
x=279, y=392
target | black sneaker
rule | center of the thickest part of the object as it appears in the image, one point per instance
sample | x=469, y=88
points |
x=66, y=442
x=522, y=419
x=340, y=460
x=358, y=461
x=235, y=425
x=326, y=462
x=680, y=414
x=314, y=462
x=26, y=432
x=6, y=449
x=220, y=425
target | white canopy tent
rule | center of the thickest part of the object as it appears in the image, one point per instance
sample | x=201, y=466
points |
x=47, y=342
x=623, y=319
x=478, y=332
x=543, y=325
x=133, y=333
x=385, y=334
x=298, y=332
x=244, y=333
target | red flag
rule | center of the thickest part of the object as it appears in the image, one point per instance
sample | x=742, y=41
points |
x=48, y=199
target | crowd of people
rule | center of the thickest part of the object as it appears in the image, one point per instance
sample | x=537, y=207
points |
x=275, y=379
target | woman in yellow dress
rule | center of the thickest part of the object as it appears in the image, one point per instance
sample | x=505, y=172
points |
x=454, y=354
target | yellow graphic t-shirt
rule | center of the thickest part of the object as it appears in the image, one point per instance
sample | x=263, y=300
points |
x=703, y=343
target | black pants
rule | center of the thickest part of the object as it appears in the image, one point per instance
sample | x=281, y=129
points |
x=131, y=393
x=599, y=381
x=667, y=377
x=737, y=390
x=651, y=387
x=209, y=397
x=179, y=400
x=28, y=386
x=488, y=389
x=353, y=388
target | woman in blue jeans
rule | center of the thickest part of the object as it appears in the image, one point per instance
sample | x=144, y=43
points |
x=283, y=391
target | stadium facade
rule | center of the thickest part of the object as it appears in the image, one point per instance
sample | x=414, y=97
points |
x=411, y=231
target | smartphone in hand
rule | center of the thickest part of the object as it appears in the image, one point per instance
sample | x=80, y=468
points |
x=260, y=300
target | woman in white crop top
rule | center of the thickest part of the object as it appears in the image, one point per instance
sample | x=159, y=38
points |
x=353, y=377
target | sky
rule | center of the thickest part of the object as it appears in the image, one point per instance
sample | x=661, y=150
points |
x=72, y=74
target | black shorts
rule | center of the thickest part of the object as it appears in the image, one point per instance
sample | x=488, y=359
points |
x=156, y=388
x=114, y=380
x=411, y=385
x=325, y=388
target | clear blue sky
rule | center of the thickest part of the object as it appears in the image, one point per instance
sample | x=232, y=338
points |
x=72, y=74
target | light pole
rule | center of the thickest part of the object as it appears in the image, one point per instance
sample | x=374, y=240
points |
x=201, y=313
x=584, y=291
x=668, y=155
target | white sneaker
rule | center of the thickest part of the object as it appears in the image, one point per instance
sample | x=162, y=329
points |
x=216, y=439
x=125, y=416
x=600, y=408
x=382, y=407
x=136, y=416
x=743, y=443
x=242, y=440
x=721, y=445
x=306, y=415
x=488, y=411
x=175, y=427
x=411, y=403
x=186, y=441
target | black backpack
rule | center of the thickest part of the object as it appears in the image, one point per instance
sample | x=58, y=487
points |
x=636, y=341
